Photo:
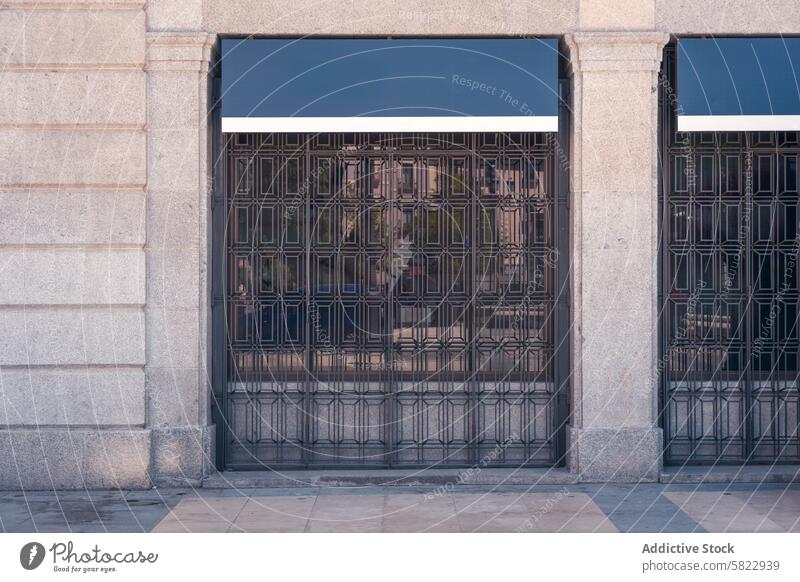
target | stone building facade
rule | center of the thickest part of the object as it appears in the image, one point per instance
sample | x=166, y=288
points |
x=105, y=230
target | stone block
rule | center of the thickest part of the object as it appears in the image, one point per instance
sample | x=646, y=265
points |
x=182, y=109
x=616, y=335
x=173, y=278
x=174, y=159
x=623, y=279
x=81, y=156
x=92, y=217
x=44, y=459
x=174, y=395
x=624, y=221
x=43, y=37
x=182, y=455
x=172, y=15
x=765, y=17
x=413, y=17
x=72, y=397
x=70, y=276
x=78, y=4
x=50, y=459
x=173, y=221
x=117, y=459
x=618, y=144
x=71, y=336
x=630, y=455
x=616, y=14
x=103, y=98
x=173, y=337
x=614, y=395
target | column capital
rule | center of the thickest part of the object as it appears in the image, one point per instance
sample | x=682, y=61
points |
x=179, y=51
x=616, y=51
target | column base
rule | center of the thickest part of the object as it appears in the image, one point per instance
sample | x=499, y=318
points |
x=603, y=455
x=182, y=456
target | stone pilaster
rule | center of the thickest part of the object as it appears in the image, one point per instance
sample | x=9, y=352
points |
x=614, y=432
x=176, y=314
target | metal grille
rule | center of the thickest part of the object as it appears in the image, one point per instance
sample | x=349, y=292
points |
x=729, y=293
x=391, y=300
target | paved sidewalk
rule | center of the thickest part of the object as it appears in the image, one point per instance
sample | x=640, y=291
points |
x=543, y=508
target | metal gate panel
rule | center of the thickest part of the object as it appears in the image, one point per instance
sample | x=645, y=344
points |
x=729, y=293
x=391, y=300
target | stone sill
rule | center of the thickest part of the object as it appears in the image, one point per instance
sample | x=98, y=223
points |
x=731, y=474
x=387, y=478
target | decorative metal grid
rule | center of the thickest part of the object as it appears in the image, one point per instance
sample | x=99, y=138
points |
x=729, y=292
x=391, y=300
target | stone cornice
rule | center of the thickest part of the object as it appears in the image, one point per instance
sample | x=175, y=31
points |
x=616, y=51
x=179, y=51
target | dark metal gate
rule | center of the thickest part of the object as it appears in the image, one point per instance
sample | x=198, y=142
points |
x=393, y=300
x=729, y=292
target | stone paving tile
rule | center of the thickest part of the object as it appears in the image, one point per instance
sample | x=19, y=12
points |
x=781, y=507
x=511, y=520
x=359, y=513
x=409, y=513
x=490, y=501
x=563, y=511
x=722, y=512
x=505, y=507
x=491, y=512
x=24, y=526
x=84, y=516
x=642, y=509
x=14, y=517
x=274, y=514
x=14, y=510
x=567, y=522
x=212, y=514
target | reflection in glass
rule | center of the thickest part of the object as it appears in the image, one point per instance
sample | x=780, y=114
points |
x=292, y=176
x=266, y=176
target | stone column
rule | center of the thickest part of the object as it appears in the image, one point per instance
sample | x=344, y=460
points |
x=176, y=314
x=614, y=432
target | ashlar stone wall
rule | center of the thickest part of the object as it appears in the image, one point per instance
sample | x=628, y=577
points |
x=73, y=174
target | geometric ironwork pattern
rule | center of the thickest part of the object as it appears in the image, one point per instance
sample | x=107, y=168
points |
x=390, y=300
x=729, y=293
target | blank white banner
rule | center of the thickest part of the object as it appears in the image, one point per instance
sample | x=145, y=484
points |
x=511, y=124
x=739, y=123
